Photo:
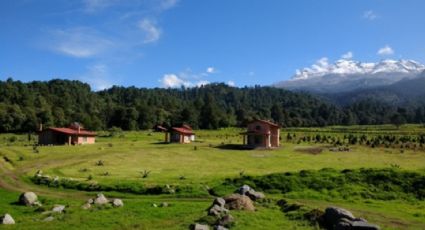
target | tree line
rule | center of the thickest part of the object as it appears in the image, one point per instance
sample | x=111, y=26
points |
x=23, y=106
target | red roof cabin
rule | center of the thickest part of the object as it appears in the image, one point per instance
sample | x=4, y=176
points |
x=75, y=134
x=262, y=134
x=182, y=135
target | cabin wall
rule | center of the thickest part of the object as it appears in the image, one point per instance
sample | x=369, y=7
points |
x=258, y=127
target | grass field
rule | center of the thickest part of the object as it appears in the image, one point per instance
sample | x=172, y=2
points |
x=194, y=168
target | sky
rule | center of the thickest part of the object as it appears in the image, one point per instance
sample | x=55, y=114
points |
x=170, y=43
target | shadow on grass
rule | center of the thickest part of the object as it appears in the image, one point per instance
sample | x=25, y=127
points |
x=234, y=147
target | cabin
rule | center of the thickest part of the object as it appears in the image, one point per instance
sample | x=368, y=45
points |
x=183, y=135
x=261, y=134
x=75, y=134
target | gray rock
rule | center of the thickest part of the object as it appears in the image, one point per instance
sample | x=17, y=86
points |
x=255, y=195
x=101, y=199
x=58, y=208
x=86, y=206
x=244, y=189
x=362, y=225
x=333, y=215
x=6, y=219
x=90, y=201
x=219, y=201
x=226, y=220
x=28, y=198
x=48, y=219
x=200, y=227
x=117, y=203
x=217, y=210
x=219, y=227
x=164, y=204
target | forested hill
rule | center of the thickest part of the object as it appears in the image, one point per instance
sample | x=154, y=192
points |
x=23, y=106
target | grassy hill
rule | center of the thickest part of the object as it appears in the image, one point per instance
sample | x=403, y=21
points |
x=115, y=166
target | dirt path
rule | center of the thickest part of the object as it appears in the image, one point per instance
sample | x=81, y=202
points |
x=11, y=180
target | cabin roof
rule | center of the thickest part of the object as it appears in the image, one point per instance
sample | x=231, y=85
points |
x=266, y=122
x=70, y=131
x=182, y=130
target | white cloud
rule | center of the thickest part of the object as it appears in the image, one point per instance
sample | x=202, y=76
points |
x=98, y=77
x=79, y=42
x=231, y=83
x=369, y=15
x=151, y=32
x=386, y=50
x=347, y=55
x=173, y=81
x=168, y=4
x=210, y=70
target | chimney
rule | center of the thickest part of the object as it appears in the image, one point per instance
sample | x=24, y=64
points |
x=40, y=127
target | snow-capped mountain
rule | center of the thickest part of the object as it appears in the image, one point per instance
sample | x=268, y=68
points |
x=347, y=75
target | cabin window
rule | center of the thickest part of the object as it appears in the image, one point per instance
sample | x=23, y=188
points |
x=258, y=127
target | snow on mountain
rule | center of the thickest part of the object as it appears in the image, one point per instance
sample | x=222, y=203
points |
x=347, y=74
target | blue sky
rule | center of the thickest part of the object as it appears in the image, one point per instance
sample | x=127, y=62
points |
x=168, y=43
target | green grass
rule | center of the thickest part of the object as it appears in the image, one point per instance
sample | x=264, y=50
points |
x=196, y=169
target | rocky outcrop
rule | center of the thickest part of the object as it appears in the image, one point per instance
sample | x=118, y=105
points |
x=250, y=192
x=200, y=227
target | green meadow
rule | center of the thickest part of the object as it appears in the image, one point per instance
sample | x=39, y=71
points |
x=140, y=169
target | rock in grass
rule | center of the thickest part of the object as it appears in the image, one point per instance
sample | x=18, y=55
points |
x=255, y=195
x=86, y=206
x=200, y=227
x=219, y=227
x=49, y=219
x=217, y=210
x=28, y=199
x=58, y=208
x=244, y=189
x=219, y=201
x=6, y=219
x=333, y=215
x=117, y=203
x=100, y=199
x=226, y=220
x=363, y=225
x=239, y=202
x=164, y=204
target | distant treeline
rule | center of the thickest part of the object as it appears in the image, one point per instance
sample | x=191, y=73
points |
x=23, y=106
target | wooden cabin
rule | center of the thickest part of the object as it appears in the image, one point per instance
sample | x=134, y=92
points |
x=75, y=134
x=182, y=135
x=262, y=134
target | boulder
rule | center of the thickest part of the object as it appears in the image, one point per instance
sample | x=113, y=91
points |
x=117, y=203
x=101, y=199
x=219, y=201
x=6, y=219
x=244, y=189
x=86, y=206
x=239, y=202
x=255, y=195
x=333, y=215
x=164, y=204
x=226, y=220
x=217, y=210
x=90, y=201
x=28, y=199
x=58, y=208
x=200, y=227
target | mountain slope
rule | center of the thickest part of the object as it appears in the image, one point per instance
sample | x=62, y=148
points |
x=348, y=75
